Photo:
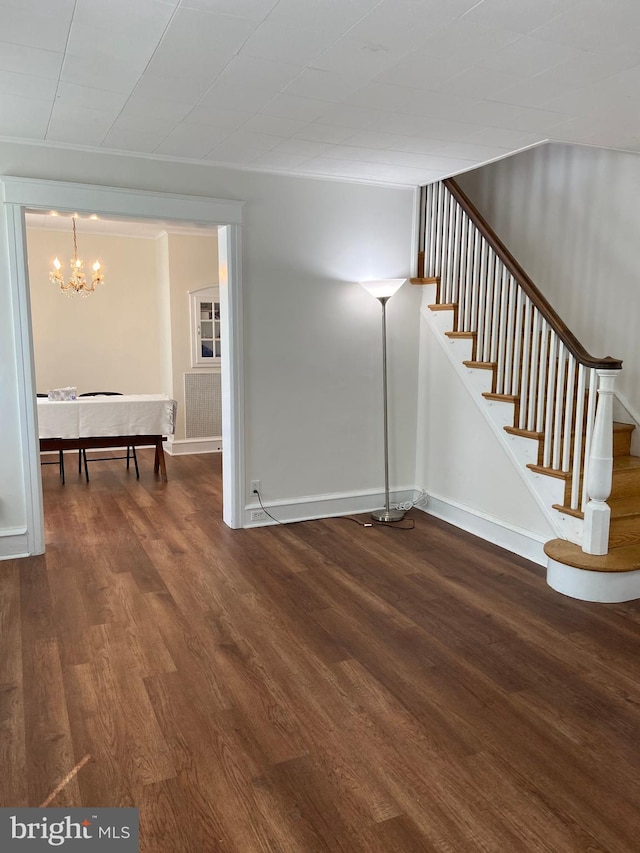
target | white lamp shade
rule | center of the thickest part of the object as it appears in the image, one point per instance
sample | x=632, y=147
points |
x=383, y=287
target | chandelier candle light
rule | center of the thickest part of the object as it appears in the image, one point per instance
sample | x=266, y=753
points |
x=78, y=281
x=383, y=290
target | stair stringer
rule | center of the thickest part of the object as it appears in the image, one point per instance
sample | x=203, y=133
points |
x=545, y=490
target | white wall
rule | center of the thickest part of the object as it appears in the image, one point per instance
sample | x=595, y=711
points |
x=108, y=341
x=313, y=348
x=312, y=335
x=193, y=263
x=164, y=313
x=13, y=513
x=570, y=216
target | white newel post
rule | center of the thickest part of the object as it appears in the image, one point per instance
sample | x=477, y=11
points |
x=600, y=469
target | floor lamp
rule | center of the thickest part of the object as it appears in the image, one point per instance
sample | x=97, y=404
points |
x=383, y=290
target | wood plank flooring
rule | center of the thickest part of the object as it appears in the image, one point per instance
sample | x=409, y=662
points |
x=311, y=687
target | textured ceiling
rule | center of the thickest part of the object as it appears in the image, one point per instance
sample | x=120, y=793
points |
x=397, y=91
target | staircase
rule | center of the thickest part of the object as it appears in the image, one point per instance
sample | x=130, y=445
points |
x=560, y=398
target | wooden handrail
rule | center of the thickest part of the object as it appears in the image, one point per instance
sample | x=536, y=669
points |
x=557, y=324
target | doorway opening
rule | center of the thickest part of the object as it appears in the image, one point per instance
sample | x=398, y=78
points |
x=109, y=204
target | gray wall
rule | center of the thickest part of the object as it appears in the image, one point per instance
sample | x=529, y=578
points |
x=571, y=217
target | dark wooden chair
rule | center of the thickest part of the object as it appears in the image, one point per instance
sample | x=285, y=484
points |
x=82, y=454
x=60, y=462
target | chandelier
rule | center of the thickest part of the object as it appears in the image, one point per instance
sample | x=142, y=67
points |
x=78, y=281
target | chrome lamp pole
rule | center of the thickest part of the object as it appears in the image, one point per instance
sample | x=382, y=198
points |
x=383, y=290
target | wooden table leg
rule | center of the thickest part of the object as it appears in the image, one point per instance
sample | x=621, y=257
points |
x=159, y=462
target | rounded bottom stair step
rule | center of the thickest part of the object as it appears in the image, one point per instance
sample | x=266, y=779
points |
x=607, y=578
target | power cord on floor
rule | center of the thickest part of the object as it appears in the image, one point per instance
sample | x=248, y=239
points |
x=265, y=510
x=395, y=525
x=422, y=499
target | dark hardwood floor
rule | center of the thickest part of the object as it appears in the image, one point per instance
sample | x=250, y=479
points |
x=310, y=687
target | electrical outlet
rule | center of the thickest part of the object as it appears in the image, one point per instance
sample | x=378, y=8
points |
x=254, y=486
x=258, y=515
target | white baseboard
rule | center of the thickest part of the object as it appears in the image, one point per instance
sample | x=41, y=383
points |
x=183, y=446
x=13, y=543
x=515, y=539
x=518, y=541
x=311, y=507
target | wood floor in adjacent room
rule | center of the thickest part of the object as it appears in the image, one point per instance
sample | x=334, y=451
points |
x=312, y=687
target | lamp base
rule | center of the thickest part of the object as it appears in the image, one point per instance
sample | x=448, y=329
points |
x=388, y=515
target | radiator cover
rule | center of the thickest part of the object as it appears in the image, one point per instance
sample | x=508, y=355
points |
x=203, y=405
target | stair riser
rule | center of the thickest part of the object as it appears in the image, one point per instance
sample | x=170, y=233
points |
x=626, y=484
x=619, y=540
x=624, y=531
x=622, y=443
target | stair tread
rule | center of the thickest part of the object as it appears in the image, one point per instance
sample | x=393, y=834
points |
x=620, y=426
x=567, y=510
x=444, y=306
x=460, y=334
x=622, y=559
x=550, y=472
x=483, y=365
x=506, y=398
x=525, y=433
x=433, y=279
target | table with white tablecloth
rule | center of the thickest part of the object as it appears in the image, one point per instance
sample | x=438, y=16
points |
x=128, y=420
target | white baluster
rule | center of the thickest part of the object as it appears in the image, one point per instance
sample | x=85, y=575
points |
x=455, y=256
x=433, y=248
x=424, y=228
x=534, y=422
x=451, y=225
x=514, y=337
x=500, y=329
x=437, y=249
x=482, y=298
x=568, y=413
x=560, y=407
x=542, y=365
x=475, y=284
x=526, y=404
x=550, y=401
x=597, y=512
x=517, y=335
x=469, y=273
x=577, y=438
x=433, y=189
x=444, y=238
x=462, y=271
x=589, y=419
x=489, y=302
